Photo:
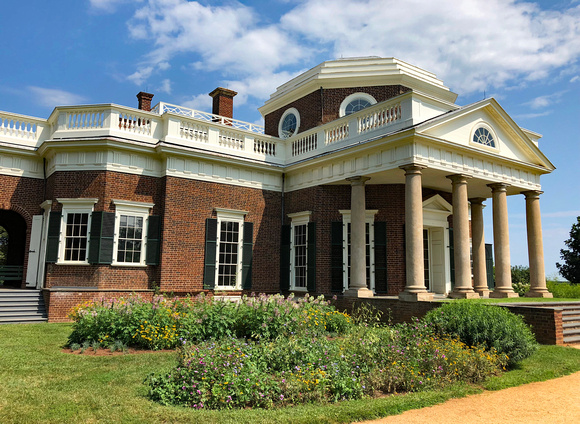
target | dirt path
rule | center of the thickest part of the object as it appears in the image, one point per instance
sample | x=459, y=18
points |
x=554, y=401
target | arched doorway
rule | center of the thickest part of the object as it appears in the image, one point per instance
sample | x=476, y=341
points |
x=12, y=248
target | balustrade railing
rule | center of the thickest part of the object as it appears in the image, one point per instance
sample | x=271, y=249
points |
x=304, y=144
x=379, y=117
x=84, y=119
x=19, y=127
x=264, y=147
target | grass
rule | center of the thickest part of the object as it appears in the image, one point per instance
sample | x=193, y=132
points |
x=520, y=300
x=42, y=384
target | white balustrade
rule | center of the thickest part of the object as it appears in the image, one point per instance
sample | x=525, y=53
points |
x=336, y=133
x=231, y=140
x=378, y=117
x=193, y=131
x=84, y=119
x=304, y=144
x=134, y=123
x=264, y=147
x=18, y=127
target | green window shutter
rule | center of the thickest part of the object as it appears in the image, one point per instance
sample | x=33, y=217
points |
x=381, y=257
x=95, y=237
x=285, y=259
x=489, y=265
x=247, y=255
x=53, y=237
x=153, y=240
x=451, y=258
x=102, y=238
x=336, y=258
x=311, y=258
x=210, y=253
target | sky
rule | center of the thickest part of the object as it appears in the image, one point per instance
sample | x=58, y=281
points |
x=526, y=54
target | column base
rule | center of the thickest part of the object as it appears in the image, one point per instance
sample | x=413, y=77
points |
x=483, y=292
x=502, y=295
x=464, y=295
x=416, y=297
x=362, y=292
x=545, y=294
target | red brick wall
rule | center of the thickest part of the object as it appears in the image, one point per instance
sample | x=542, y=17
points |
x=59, y=303
x=316, y=110
x=104, y=185
x=23, y=196
x=188, y=204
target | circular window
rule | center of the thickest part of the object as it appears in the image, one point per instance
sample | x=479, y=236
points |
x=289, y=123
x=483, y=136
x=355, y=102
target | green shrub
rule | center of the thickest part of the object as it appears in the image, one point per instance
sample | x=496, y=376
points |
x=564, y=290
x=489, y=326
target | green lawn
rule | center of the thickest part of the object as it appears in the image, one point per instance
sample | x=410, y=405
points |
x=39, y=383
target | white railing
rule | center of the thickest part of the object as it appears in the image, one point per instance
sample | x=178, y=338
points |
x=18, y=126
x=231, y=140
x=264, y=147
x=336, y=133
x=193, y=131
x=161, y=108
x=84, y=119
x=304, y=144
x=134, y=123
x=379, y=117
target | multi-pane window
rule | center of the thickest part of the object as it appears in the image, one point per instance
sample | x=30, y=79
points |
x=300, y=247
x=130, y=239
x=229, y=253
x=483, y=136
x=76, y=235
x=356, y=105
x=131, y=220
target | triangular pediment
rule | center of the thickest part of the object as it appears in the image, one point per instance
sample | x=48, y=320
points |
x=510, y=141
x=437, y=203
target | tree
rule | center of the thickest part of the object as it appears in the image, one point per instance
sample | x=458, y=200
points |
x=570, y=269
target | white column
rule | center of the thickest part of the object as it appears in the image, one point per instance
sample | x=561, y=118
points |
x=535, y=246
x=463, y=286
x=478, y=247
x=358, y=264
x=501, y=241
x=415, y=288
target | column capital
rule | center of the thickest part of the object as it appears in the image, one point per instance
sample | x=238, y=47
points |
x=532, y=194
x=498, y=187
x=412, y=168
x=458, y=178
x=477, y=200
x=358, y=180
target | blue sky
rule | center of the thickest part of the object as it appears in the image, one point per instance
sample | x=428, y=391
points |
x=525, y=54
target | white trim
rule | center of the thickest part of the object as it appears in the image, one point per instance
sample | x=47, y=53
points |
x=230, y=215
x=488, y=127
x=138, y=210
x=298, y=219
x=71, y=206
x=355, y=96
x=287, y=112
x=369, y=219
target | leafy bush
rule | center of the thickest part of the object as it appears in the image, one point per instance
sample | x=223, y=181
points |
x=564, y=290
x=521, y=288
x=491, y=327
x=165, y=323
x=233, y=373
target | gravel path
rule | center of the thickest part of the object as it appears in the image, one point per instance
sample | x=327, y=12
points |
x=554, y=401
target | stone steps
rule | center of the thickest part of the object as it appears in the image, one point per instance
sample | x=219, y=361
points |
x=571, y=323
x=22, y=306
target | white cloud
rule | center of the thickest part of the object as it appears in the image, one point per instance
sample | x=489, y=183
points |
x=533, y=115
x=576, y=78
x=202, y=102
x=474, y=45
x=545, y=101
x=165, y=86
x=561, y=214
x=51, y=97
x=109, y=5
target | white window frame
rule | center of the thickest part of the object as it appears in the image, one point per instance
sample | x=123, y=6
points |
x=298, y=219
x=136, y=209
x=352, y=97
x=230, y=215
x=70, y=206
x=489, y=128
x=369, y=219
x=287, y=112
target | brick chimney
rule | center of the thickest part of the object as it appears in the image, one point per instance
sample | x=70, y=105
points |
x=145, y=101
x=223, y=102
